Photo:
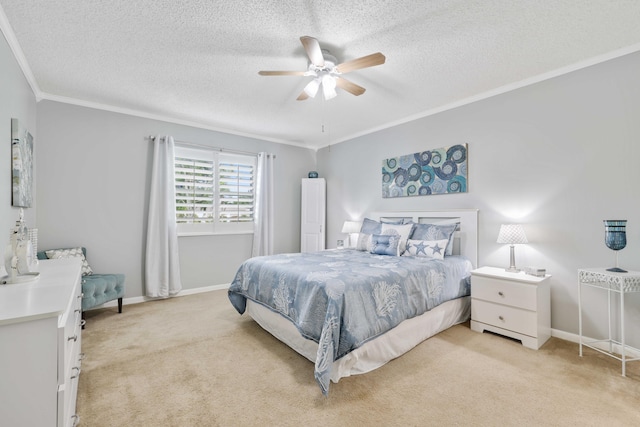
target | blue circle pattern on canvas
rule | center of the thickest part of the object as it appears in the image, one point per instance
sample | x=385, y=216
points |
x=437, y=171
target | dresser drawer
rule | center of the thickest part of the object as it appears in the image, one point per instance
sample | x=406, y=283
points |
x=504, y=292
x=70, y=336
x=510, y=318
x=67, y=394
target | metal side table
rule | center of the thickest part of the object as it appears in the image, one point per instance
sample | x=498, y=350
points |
x=622, y=283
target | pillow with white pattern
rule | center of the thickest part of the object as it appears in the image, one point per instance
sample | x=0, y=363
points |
x=71, y=253
x=364, y=242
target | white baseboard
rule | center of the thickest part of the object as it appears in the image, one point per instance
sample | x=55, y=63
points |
x=138, y=300
x=567, y=336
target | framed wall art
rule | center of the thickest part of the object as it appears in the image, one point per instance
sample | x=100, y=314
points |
x=437, y=171
x=21, y=165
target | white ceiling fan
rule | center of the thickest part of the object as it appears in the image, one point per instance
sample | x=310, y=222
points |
x=326, y=72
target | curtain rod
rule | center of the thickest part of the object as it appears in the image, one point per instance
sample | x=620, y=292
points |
x=208, y=147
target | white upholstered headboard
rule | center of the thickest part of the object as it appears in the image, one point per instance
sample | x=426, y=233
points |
x=466, y=238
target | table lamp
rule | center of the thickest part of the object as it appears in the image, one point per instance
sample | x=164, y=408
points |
x=512, y=234
x=350, y=227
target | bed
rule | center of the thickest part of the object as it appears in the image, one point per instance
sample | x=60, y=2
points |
x=350, y=311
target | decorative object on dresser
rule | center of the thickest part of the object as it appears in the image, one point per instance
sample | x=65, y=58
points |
x=620, y=283
x=437, y=171
x=351, y=228
x=515, y=305
x=40, y=332
x=512, y=234
x=615, y=237
x=19, y=256
x=97, y=289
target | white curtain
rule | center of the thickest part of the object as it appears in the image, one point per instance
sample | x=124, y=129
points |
x=162, y=266
x=264, y=213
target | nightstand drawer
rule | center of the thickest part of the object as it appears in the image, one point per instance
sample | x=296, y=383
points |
x=504, y=292
x=510, y=318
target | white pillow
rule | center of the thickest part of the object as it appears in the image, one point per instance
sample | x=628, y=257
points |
x=364, y=242
x=426, y=248
x=70, y=253
x=402, y=230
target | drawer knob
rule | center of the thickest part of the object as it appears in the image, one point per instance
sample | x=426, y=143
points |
x=77, y=374
x=74, y=338
x=501, y=318
x=500, y=293
x=83, y=322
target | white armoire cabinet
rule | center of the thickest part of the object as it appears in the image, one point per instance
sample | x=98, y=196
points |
x=313, y=214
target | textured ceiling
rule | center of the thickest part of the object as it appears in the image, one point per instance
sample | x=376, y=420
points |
x=197, y=61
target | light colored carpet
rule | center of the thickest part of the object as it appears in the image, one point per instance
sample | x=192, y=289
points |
x=194, y=361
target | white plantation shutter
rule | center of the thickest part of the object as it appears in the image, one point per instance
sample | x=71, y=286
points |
x=236, y=187
x=194, y=190
x=214, y=191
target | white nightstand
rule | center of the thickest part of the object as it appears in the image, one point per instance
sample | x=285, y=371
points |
x=515, y=305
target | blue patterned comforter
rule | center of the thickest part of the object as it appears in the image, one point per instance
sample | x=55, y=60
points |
x=343, y=298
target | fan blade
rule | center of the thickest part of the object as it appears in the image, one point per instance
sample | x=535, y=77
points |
x=350, y=87
x=363, y=62
x=281, y=73
x=312, y=47
x=303, y=95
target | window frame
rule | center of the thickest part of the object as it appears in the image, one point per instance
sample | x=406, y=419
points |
x=216, y=226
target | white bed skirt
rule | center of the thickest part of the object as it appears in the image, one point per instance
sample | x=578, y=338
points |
x=376, y=352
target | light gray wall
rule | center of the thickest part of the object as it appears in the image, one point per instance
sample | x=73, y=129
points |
x=558, y=156
x=94, y=168
x=16, y=101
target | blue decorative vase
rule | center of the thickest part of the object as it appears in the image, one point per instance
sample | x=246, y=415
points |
x=313, y=174
x=615, y=237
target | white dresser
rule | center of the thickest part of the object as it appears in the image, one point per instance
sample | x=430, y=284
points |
x=40, y=340
x=515, y=305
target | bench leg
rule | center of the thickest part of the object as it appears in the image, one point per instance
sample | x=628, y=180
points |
x=119, y=305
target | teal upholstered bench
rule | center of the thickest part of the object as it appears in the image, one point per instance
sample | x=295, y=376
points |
x=97, y=289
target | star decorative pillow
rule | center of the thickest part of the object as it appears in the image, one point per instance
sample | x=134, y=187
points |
x=436, y=232
x=426, y=248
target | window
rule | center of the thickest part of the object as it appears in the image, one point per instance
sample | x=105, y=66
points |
x=214, y=191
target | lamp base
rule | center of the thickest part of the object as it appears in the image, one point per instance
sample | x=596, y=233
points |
x=512, y=261
x=617, y=270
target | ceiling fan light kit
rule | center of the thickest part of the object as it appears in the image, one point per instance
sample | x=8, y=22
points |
x=329, y=86
x=326, y=73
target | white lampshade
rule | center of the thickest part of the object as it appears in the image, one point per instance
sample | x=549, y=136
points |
x=312, y=87
x=512, y=234
x=351, y=227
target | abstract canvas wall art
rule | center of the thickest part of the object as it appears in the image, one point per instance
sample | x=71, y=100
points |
x=438, y=171
x=21, y=166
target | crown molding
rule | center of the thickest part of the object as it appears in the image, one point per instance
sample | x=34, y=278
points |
x=498, y=91
x=12, y=41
